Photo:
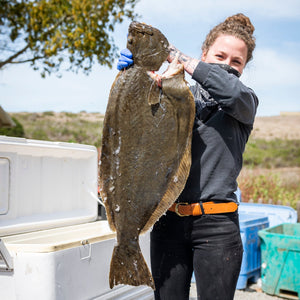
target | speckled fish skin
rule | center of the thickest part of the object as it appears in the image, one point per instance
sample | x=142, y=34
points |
x=146, y=150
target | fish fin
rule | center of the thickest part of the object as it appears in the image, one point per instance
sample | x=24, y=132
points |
x=110, y=219
x=155, y=107
x=174, y=189
x=128, y=266
x=154, y=94
x=108, y=209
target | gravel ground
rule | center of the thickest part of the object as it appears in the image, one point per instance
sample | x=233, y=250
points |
x=252, y=292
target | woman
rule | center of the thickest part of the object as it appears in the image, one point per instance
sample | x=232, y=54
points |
x=200, y=232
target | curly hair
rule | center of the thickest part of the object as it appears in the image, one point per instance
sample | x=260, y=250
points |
x=238, y=26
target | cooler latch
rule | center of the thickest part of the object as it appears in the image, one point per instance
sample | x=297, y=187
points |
x=6, y=261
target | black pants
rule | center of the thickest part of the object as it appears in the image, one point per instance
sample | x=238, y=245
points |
x=209, y=245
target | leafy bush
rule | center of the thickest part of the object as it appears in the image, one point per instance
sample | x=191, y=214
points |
x=81, y=128
x=276, y=153
x=17, y=131
x=40, y=134
x=48, y=113
x=261, y=185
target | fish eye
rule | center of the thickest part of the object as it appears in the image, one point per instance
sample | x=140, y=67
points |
x=129, y=39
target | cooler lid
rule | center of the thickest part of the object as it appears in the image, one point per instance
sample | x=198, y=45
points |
x=45, y=185
x=252, y=219
x=59, y=238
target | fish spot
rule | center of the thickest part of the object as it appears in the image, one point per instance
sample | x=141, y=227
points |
x=111, y=131
x=169, y=171
x=135, y=263
x=117, y=151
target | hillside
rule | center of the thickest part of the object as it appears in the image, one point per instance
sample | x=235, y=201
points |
x=86, y=127
x=285, y=126
x=271, y=159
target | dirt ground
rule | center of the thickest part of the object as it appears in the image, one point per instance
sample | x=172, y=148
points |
x=252, y=292
x=284, y=126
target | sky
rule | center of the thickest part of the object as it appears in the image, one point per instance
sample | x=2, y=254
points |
x=274, y=73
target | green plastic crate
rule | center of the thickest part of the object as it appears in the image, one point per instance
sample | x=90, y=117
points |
x=280, y=260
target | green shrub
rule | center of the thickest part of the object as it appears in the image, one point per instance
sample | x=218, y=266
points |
x=17, y=131
x=276, y=153
x=39, y=134
x=48, y=113
x=265, y=186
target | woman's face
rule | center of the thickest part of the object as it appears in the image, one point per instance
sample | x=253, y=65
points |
x=229, y=50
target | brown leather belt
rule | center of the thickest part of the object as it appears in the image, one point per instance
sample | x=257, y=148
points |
x=196, y=209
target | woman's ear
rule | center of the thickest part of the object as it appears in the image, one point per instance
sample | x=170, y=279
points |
x=203, y=56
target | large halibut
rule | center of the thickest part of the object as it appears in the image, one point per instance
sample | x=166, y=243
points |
x=146, y=150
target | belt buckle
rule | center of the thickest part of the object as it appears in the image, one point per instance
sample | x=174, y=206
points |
x=177, y=211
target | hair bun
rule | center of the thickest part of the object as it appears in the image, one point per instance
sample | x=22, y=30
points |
x=242, y=20
x=238, y=26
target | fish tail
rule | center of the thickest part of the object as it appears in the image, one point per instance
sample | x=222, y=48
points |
x=128, y=266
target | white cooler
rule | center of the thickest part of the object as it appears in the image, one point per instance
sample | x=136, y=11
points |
x=51, y=244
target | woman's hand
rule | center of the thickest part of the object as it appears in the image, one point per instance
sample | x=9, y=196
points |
x=155, y=77
x=125, y=59
x=189, y=63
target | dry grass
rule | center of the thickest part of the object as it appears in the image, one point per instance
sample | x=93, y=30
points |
x=268, y=179
x=285, y=126
x=84, y=128
x=279, y=185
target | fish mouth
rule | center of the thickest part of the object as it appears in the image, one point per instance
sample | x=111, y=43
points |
x=141, y=28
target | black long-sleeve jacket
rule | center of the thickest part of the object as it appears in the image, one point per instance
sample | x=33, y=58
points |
x=225, y=111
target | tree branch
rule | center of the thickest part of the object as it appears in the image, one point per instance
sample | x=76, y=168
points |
x=27, y=60
x=10, y=59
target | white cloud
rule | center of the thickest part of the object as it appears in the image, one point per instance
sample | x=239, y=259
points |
x=275, y=9
x=209, y=11
x=270, y=68
x=274, y=76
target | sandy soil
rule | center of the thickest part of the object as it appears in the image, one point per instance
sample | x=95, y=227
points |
x=285, y=126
